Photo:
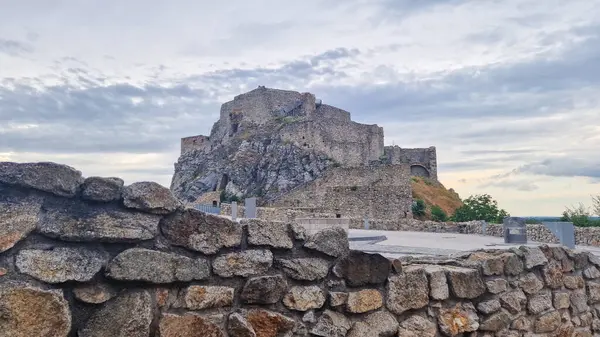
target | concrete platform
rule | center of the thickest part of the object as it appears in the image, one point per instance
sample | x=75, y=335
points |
x=427, y=244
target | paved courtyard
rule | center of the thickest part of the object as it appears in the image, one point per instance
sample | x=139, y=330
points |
x=419, y=243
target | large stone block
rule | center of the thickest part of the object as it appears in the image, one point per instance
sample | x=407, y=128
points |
x=547, y=322
x=199, y=231
x=268, y=233
x=305, y=269
x=206, y=297
x=188, y=325
x=417, y=326
x=364, y=301
x=139, y=264
x=377, y=324
x=61, y=180
x=331, y=241
x=264, y=289
x=359, y=269
x=465, y=282
x=18, y=218
x=102, y=189
x=331, y=324
x=304, y=298
x=150, y=197
x=459, y=319
x=406, y=291
x=245, y=263
x=60, y=264
x=27, y=311
x=266, y=323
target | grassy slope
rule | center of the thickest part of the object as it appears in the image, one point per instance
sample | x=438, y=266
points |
x=434, y=193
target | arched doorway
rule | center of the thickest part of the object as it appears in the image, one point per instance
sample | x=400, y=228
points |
x=419, y=171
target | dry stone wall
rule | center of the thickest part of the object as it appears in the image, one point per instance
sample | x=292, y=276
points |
x=94, y=258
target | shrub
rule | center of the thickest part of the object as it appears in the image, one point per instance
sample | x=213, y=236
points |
x=579, y=216
x=418, y=207
x=479, y=207
x=438, y=214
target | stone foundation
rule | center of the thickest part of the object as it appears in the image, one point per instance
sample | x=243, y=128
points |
x=91, y=257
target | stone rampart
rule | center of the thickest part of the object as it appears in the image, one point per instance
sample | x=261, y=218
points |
x=423, y=161
x=92, y=257
x=195, y=143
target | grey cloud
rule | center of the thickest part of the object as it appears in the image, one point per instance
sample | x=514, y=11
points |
x=14, y=48
x=564, y=167
x=524, y=186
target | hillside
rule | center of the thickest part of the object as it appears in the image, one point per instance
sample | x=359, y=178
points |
x=434, y=193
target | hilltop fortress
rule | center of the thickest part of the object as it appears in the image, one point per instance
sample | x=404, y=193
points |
x=290, y=150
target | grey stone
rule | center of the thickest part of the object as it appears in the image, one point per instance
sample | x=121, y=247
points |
x=512, y=264
x=465, y=283
x=150, y=197
x=579, y=302
x=18, y=218
x=363, y=301
x=94, y=293
x=438, y=282
x=540, y=302
x=26, y=311
x=139, y=264
x=459, y=319
x=513, y=301
x=337, y=298
x=199, y=231
x=593, y=289
x=188, y=325
x=58, y=179
x=127, y=315
x=417, y=326
x=406, y=291
x=359, y=269
x=206, y=297
x=332, y=241
x=562, y=300
x=238, y=326
x=298, y=231
x=60, y=264
x=77, y=221
x=102, y=189
x=574, y=282
x=490, y=264
x=244, y=263
x=533, y=257
x=496, y=322
x=309, y=317
x=305, y=269
x=530, y=283
x=522, y=323
x=548, y=322
x=377, y=324
x=268, y=233
x=489, y=306
x=553, y=274
x=268, y=323
x=591, y=273
x=304, y=298
x=331, y=324
x=264, y=289
x=496, y=286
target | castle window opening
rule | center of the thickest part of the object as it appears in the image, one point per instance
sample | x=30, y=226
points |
x=419, y=171
x=215, y=204
x=338, y=215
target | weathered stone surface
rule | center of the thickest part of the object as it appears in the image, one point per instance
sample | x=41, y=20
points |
x=553, y=275
x=331, y=324
x=490, y=264
x=18, y=218
x=78, y=221
x=304, y=298
x=364, y=300
x=562, y=300
x=458, y=319
x=593, y=292
x=489, y=306
x=377, y=324
x=417, y=326
x=60, y=264
x=591, y=273
x=579, y=301
x=139, y=264
x=238, y=326
x=408, y=290
x=512, y=264
x=540, y=302
x=533, y=257
x=269, y=324
x=127, y=315
x=264, y=289
x=573, y=282
x=496, y=322
x=521, y=323
x=102, y=189
x=27, y=311
x=199, y=231
x=438, y=282
x=188, y=325
x=305, y=269
x=359, y=269
x=548, y=322
x=337, y=298
x=465, y=282
x=496, y=286
x=513, y=301
x=298, y=231
x=332, y=241
x=150, y=197
x=245, y=263
x=94, y=293
x=207, y=297
x=530, y=283
x=61, y=180
x=268, y=233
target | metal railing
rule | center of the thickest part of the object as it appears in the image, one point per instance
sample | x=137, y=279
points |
x=208, y=209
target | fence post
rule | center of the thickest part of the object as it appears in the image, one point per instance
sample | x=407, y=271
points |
x=366, y=222
x=234, y=209
x=250, y=211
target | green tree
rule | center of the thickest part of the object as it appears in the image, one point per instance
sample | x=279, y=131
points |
x=438, y=214
x=479, y=207
x=579, y=216
x=418, y=207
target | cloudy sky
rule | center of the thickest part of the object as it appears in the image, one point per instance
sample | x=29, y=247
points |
x=508, y=91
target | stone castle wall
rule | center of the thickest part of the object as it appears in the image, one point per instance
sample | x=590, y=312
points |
x=277, y=213
x=91, y=257
x=418, y=159
x=195, y=143
x=381, y=192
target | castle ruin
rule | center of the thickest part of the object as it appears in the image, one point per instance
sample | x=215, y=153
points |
x=291, y=150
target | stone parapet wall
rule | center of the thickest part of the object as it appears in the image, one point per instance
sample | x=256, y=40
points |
x=92, y=257
x=277, y=214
